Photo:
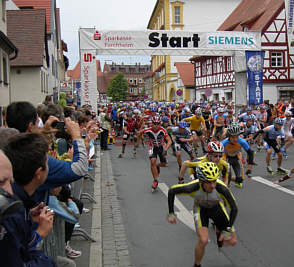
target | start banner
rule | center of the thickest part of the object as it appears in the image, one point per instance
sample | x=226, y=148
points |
x=254, y=62
x=172, y=43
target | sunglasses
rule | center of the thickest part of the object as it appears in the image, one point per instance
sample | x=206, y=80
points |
x=217, y=155
x=156, y=123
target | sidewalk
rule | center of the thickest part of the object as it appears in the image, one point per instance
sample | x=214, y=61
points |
x=103, y=222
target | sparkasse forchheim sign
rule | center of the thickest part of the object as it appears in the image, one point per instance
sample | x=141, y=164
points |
x=172, y=43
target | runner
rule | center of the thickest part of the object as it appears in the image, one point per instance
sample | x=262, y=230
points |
x=233, y=145
x=210, y=197
x=289, y=131
x=129, y=132
x=215, y=152
x=197, y=124
x=156, y=135
x=272, y=132
x=183, y=139
x=168, y=127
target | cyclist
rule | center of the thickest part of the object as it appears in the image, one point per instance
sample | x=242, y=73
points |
x=272, y=132
x=197, y=123
x=215, y=151
x=210, y=198
x=233, y=145
x=183, y=139
x=157, y=147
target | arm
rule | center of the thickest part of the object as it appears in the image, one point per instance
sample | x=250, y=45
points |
x=181, y=189
x=229, y=200
x=66, y=213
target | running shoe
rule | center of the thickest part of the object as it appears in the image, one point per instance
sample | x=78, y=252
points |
x=71, y=253
x=181, y=181
x=285, y=155
x=155, y=184
x=282, y=170
x=282, y=179
x=239, y=185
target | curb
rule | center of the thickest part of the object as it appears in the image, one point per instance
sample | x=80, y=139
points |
x=96, y=230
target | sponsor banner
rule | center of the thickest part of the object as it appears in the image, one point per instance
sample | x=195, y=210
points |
x=168, y=42
x=254, y=62
x=289, y=7
x=88, y=92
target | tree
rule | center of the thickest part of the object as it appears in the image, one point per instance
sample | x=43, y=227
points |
x=118, y=88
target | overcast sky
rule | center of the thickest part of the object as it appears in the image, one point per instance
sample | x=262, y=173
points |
x=103, y=15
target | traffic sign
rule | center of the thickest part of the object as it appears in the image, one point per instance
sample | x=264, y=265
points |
x=179, y=92
x=208, y=92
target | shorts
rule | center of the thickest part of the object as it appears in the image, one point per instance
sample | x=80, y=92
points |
x=199, y=133
x=218, y=214
x=157, y=151
x=186, y=146
x=268, y=143
x=131, y=135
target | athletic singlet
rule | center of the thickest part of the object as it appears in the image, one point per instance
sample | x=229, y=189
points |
x=195, y=122
x=203, y=199
x=272, y=133
x=232, y=150
x=155, y=138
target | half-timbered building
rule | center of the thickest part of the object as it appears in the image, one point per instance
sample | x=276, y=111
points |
x=217, y=73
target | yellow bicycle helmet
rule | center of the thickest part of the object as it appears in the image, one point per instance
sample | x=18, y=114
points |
x=207, y=172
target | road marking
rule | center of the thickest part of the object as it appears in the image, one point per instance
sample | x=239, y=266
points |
x=271, y=184
x=184, y=215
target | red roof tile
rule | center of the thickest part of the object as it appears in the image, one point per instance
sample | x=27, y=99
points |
x=255, y=14
x=26, y=29
x=186, y=72
x=75, y=74
x=37, y=4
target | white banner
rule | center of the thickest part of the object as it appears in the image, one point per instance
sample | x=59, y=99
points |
x=289, y=7
x=88, y=79
x=173, y=43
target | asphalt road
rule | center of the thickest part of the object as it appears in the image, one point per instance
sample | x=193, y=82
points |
x=264, y=222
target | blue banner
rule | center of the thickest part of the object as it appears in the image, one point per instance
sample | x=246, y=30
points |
x=254, y=63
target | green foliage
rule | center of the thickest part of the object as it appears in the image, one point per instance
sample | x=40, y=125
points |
x=62, y=101
x=118, y=88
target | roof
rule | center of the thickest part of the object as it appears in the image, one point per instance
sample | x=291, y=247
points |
x=186, y=72
x=102, y=82
x=254, y=14
x=75, y=73
x=37, y=4
x=26, y=29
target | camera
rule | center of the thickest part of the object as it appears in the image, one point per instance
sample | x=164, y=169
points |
x=59, y=125
x=49, y=210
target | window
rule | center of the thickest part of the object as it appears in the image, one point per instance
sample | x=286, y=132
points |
x=5, y=70
x=135, y=81
x=177, y=15
x=131, y=90
x=229, y=65
x=131, y=80
x=42, y=82
x=140, y=81
x=276, y=59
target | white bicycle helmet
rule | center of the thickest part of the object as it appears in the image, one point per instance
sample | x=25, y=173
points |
x=215, y=147
x=234, y=129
